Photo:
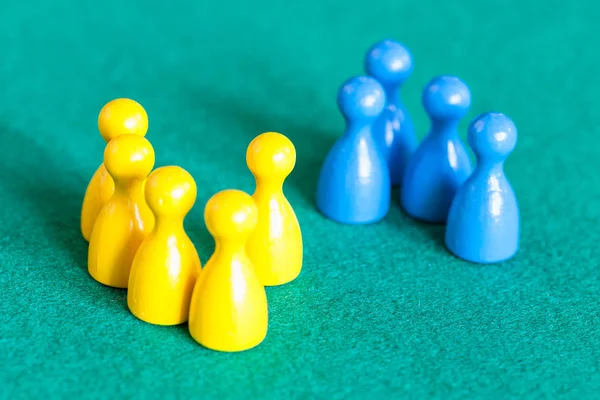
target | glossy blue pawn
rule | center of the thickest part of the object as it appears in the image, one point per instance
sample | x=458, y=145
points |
x=483, y=224
x=441, y=163
x=354, y=185
x=391, y=64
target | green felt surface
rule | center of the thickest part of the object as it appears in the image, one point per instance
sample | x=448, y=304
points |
x=380, y=311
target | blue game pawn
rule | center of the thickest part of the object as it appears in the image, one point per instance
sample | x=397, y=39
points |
x=354, y=185
x=483, y=224
x=441, y=163
x=391, y=64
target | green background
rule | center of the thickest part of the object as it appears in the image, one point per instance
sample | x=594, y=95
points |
x=379, y=311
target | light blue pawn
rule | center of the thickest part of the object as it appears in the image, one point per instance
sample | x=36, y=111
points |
x=484, y=223
x=391, y=64
x=354, y=185
x=441, y=163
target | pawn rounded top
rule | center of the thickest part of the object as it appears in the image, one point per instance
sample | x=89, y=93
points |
x=446, y=97
x=129, y=157
x=492, y=135
x=170, y=190
x=271, y=155
x=361, y=97
x=389, y=62
x=122, y=117
x=230, y=213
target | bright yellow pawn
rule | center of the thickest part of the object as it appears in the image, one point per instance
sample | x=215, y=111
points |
x=229, y=305
x=118, y=117
x=166, y=265
x=125, y=220
x=275, y=246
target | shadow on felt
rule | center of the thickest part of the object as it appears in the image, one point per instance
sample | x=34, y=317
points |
x=29, y=171
x=434, y=231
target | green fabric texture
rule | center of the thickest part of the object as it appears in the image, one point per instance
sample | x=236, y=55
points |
x=380, y=311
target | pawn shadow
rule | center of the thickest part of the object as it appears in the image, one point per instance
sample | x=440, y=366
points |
x=34, y=176
x=435, y=231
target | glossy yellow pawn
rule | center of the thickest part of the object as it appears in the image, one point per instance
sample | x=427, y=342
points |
x=125, y=220
x=229, y=305
x=275, y=246
x=166, y=265
x=118, y=117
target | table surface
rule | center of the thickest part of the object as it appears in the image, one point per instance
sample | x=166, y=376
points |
x=378, y=311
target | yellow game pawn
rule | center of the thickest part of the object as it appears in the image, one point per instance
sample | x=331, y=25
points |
x=166, y=265
x=228, y=311
x=118, y=117
x=125, y=220
x=275, y=246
